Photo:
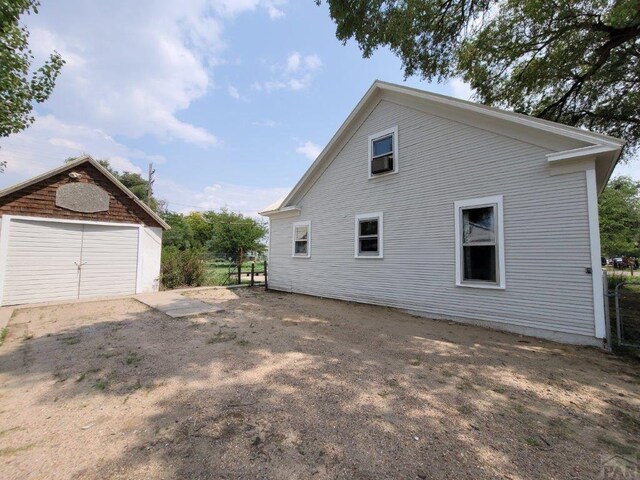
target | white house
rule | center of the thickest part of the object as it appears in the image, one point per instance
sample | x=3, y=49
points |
x=76, y=232
x=451, y=210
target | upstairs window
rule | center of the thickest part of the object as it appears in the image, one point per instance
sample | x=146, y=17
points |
x=383, y=153
x=479, y=243
x=302, y=239
x=369, y=232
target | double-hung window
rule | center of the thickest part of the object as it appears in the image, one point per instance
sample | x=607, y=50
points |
x=383, y=152
x=480, y=243
x=302, y=239
x=369, y=231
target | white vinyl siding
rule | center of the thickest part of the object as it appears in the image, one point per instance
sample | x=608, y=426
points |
x=52, y=261
x=546, y=236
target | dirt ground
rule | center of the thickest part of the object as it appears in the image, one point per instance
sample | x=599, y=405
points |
x=287, y=386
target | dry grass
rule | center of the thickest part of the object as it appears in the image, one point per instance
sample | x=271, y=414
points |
x=286, y=386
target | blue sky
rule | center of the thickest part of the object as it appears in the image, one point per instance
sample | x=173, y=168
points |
x=231, y=99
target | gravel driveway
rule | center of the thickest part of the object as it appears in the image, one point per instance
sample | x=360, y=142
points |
x=289, y=386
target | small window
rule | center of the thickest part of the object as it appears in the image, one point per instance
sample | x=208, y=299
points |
x=479, y=243
x=302, y=239
x=369, y=231
x=383, y=153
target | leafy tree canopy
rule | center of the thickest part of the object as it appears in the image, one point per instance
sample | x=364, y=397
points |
x=572, y=61
x=222, y=233
x=619, y=207
x=20, y=84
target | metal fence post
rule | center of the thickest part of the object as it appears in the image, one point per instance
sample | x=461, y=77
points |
x=239, y=273
x=618, y=321
x=607, y=316
x=253, y=270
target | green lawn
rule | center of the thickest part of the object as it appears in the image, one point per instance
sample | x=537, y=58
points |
x=217, y=273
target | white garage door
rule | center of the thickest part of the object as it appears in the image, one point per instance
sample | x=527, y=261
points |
x=49, y=261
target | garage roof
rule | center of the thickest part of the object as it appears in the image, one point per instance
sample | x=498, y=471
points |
x=75, y=163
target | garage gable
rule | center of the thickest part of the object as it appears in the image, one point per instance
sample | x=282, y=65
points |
x=80, y=190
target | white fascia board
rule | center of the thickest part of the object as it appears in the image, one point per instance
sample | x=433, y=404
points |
x=578, y=153
x=596, y=266
x=285, y=212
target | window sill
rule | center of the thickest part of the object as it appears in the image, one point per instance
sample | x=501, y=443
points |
x=374, y=257
x=381, y=175
x=486, y=286
x=300, y=256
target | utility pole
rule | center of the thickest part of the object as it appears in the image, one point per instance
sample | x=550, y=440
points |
x=150, y=181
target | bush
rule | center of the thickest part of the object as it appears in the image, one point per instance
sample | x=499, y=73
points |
x=615, y=278
x=182, y=268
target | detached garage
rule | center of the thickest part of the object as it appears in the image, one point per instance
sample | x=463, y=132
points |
x=76, y=232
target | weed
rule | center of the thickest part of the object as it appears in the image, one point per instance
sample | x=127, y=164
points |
x=81, y=378
x=3, y=334
x=222, y=337
x=101, y=385
x=415, y=362
x=534, y=442
x=243, y=342
x=27, y=336
x=133, y=359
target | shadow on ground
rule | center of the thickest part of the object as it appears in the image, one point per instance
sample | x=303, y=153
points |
x=288, y=386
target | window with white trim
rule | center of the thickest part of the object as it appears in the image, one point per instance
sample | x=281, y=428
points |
x=480, y=243
x=302, y=239
x=383, y=152
x=369, y=231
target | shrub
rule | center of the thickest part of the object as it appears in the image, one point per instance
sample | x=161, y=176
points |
x=182, y=268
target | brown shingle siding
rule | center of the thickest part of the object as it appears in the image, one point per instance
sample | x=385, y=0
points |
x=39, y=200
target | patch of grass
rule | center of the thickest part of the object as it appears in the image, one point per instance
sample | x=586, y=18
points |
x=244, y=343
x=133, y=359
x=560, y=428
x=415, y=362
x=518, y=408
x=464, y=385
x=222, y=337
x=3, y=334
x=81, y=377
x=101, y=385
x=616, y=446
x=72, y=340
x=464, y=409
x=532, y=441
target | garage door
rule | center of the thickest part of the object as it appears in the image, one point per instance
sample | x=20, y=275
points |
x=49, y=261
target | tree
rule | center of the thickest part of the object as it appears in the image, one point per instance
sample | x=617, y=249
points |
x=231, y=232
x=619, y=208
x=572, y=61
x=20, y=86
x=181, y=234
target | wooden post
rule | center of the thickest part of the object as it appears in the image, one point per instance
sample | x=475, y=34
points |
x=239, y=273
x=266, y=283
x=253, y=269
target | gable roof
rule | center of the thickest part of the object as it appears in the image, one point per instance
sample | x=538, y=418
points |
x=583, y=143
x=79, y=161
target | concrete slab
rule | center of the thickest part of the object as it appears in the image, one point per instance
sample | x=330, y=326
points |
x=176, y=305
x=5, y=316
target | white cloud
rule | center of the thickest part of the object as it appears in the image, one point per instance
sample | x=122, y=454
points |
x=247, y=200
x=460, y=89
x=133, y=67
x=313, y=62
x=235, y=93
x=49, y=141
x=293, y=62
x=268, y=124
x=309, y=150
x=296, y=73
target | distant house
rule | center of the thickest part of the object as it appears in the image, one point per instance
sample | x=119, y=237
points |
x=451, y=210
x=76, y=232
